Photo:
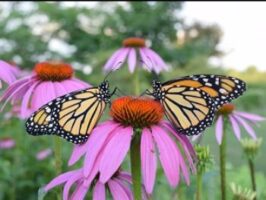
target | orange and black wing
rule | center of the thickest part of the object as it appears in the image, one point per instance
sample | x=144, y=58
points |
x=72, y=116
x=189, y=109
x=222, y=89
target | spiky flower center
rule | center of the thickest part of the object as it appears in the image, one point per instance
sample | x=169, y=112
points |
x=134, y=42
x=136, y=111
x=226, y=109
x=53, y=71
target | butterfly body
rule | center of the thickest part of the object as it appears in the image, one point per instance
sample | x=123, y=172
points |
x=72, y=116
x=190, y=102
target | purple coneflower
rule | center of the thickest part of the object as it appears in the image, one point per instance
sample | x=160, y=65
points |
x=118, y=185
x=237, y=119
x=41, y=155
x=134, y=49
x=7, y=143
x=8, y=73
x=48, y=81
x=111, y=140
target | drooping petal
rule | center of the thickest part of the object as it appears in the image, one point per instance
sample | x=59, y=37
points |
x=125, y=188
x=99, y=191
x=60, y=179
x=250, y=116
x=110, y=63
x=73, y=179
x=97, y=142
x=219, y=130
x=168, y=154
x=7, y=72
x=248, y=128
x=235, y=127
x=158, y=63
x=73, y=85
x=132, y=59
x=79, y=193
x=184, y=168
x=187, y=146
x=147, y=64
x=25, y=101
x=148, y=160
x=120, y=59
x=117, y=191
x=115, y=152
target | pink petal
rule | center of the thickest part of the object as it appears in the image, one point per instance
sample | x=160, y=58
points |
x=44, y=154
x=80, y=192
x=120, y=59
x=125, y=187
x=148, y=160
x=115, y=152
x=187, y=146
x=159, y=63
x=168, y=154
x=235, y=127
x=249, y=116
x=7, y=72
x=248, y=128
x=110, y=63
x=73, y=179
x=97, y=142
x=117, y=191
x=219, y=129
x=145, y=60
x=99, y=191
x=132, y=58
x=80, y=150
x=184, y=168
x=43, y=94
x=60, y=179
x=25, y=101
x=71, y=85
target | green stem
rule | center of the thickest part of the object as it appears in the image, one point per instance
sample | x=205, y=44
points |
x=252, y=174
x=136, y=82
x=222, y=165
x=58, y=158
x=199, y=186
x=135, y=165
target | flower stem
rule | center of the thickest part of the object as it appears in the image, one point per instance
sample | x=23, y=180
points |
x=58, y=159
x=222, y=165
x=136, y=82
x=252, y=174
x=199, y=186
x=135, y=165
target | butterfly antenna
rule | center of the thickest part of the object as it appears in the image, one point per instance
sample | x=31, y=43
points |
x=112, y=70
x=146, y=92
x=117, y=89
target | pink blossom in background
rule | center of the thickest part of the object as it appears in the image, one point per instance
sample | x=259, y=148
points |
x=136, y=52
x=41, y=155
x=110, y=141
x=8, y=72
x=7, y=143
x=48, y=81
x=236, y=119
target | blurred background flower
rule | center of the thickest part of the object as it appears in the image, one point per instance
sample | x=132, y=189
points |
x=48, y=80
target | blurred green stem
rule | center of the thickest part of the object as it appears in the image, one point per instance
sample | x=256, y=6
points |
x=135, y=165
x=58, y=158
x=136, y=82
x=252, y=174
x=222, y=164
x=199, y=186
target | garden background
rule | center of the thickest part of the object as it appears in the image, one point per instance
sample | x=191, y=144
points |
x=85, y=35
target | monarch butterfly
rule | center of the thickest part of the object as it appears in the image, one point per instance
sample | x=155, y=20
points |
x=72, y=116
x=190, y=102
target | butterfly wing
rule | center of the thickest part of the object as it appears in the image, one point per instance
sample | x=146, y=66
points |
x=72, y=116
x=222, y=89
x=189, y=109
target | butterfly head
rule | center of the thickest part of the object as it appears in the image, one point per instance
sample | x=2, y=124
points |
x=157, y=92
x=104, y=91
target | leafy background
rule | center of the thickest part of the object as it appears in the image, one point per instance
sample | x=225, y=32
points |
x=86, y=36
